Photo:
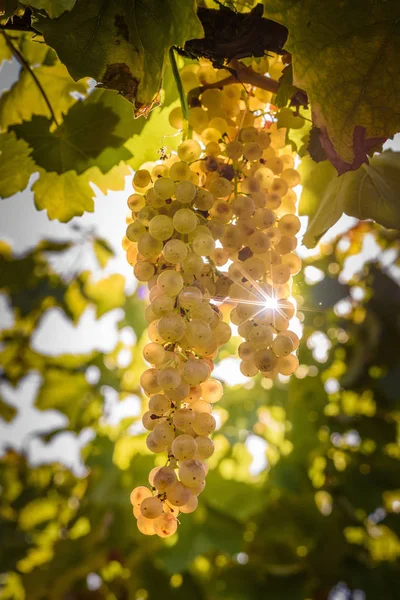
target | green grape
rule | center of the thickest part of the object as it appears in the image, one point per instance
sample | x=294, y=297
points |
x=203, y=245
x=134, y=231
x=166, y=525
x=154, y=353
x=178, y=494
x=175, y=251
x=138, y=494
x=287, y=365
x=145, y=526
x=248, y=368
x=204, y=424
x=142, y=178
x=164, y=479
x=149, y=381
x=184, y=447
x=143, y=271
x=185, y=192
x=185, y=220
x=221, y=187
x=243, y=206
x=191, y=473
x=170, y=282
x=136, y=202
x=159, y=405
x=151, y=508
x=183, y=418
x=195, y=371
x=172, y=328
x=148, y=246
x=282, y=345
x=205, y=447
x=161, y=227
x=164, y=188
x=252, y=151
x=189, y=150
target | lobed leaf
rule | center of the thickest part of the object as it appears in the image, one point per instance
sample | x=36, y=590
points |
x=347, y=60
x=122, y=44
x=16, y=165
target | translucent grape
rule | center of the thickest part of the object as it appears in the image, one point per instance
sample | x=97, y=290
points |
x=170, y=282
x=184, y=447
x=185, y=220
x=159, y=405
x=189, y=150
x=204, y=424
x=169, y=378
x=178, y=494
x=161, y=227
x=164, y=479
x=151, y=508
x=138, y=494
x=205, y=447
x=166, y=525
x=191, y=473
x=145, y=526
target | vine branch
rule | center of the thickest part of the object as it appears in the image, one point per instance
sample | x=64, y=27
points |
x=26, y=66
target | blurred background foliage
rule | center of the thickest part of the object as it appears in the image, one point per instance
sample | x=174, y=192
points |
x=325, y=507
x=317, y=518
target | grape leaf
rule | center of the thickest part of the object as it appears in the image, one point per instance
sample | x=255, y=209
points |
x=107, y=293
x=16, y=165
x=102, y=251
x=24, y=99
x=127, y=124
x=54, y=8
x=371, y=192
x=85, y=138
x=122, y=44
x=7, y=412
x=5, y=52
x=36, y=52
x=64, y=196
x=157, y=133
x=70, y=195
x=347, y=62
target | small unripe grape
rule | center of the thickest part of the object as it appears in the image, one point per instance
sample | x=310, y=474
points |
x=164, y=478
x=184, y=447
x=151, y=508
x=166, y=525
x=204, y=424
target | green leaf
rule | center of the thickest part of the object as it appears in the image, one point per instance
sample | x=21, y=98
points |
x=16, y=165
x=64, y=196
x=127, y=124
x=36, y=52
x=347, y=61
x=107, y=293
x=315, y=178
x=5, y=52
x=70, y=195
x=102, y=251
x=54, y=8
x=7, y=412
x=84, y=139
x=24, y=99
x=122, y=44
x=157, y=133
x=371, y=192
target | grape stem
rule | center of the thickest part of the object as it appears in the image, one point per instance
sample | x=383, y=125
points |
x=181, y=93
x=26, y=66
x=242, y=74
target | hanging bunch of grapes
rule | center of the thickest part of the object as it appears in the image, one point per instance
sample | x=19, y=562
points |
x=211, y=226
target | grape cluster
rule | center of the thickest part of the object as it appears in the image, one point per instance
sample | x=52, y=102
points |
x=214, y=224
